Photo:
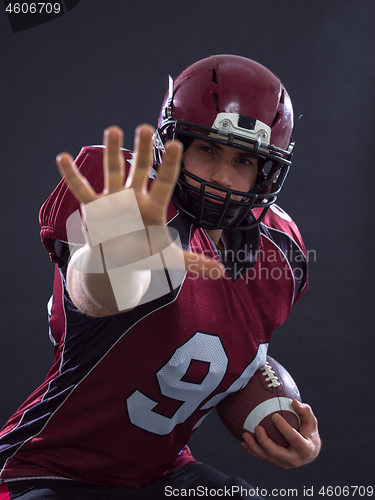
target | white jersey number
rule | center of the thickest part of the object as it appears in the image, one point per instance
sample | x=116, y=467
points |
x=202, y=347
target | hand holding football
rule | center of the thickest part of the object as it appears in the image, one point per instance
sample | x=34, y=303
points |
x=271, y=390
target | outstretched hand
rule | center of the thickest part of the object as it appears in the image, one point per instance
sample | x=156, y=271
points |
x=152, y=202
x=304, y=446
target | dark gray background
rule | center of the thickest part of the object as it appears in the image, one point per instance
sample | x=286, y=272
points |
x=107, y=62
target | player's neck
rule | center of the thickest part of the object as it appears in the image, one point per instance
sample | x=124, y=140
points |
x=215, y=235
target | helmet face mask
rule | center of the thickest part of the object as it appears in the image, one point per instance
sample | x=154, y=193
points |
x=216, y=117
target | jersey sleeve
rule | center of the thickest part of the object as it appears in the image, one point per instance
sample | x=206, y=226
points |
x=61, y=204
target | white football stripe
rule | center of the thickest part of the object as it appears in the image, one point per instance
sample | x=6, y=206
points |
x=263, y=409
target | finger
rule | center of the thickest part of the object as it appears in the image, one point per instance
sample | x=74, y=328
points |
x=252, y=446
x=143, y=156
x=164, y=184
x=309, y=423
x=113, y=164
x=291, y=435
x=303, y=410
x=265, y=449
x=76, y=182
x=269, y=447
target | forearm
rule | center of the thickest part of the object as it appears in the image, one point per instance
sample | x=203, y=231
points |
x=90, y=286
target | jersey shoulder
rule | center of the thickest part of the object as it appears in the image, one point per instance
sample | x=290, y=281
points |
x=278, y=227
x=278, y=220
x=61, y=204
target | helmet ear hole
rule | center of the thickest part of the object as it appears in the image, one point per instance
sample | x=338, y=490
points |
x=276, y=119
x=216, y=102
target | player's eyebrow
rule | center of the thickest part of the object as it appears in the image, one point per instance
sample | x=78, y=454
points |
x=247, y=154
x=239, y=152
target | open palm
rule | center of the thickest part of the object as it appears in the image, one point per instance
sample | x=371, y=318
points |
x=152, y=202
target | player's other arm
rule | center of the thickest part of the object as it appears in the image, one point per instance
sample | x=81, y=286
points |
x=305, y=444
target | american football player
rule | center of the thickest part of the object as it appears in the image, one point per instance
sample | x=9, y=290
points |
x=173, y=266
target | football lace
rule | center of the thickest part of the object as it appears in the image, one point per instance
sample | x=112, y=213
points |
x=270, y=374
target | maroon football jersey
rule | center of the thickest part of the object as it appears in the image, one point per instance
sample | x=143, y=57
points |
x=125, y=392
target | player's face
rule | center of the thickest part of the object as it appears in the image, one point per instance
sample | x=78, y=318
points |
x=224, y=166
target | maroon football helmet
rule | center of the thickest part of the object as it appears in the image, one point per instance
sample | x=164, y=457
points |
x=236, y=102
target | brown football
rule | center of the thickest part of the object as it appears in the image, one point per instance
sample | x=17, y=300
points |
x=270, y=390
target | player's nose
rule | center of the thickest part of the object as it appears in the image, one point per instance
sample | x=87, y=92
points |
x=221, y=174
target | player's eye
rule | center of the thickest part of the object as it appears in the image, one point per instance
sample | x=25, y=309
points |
x=205, y=149
x=247, y=161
